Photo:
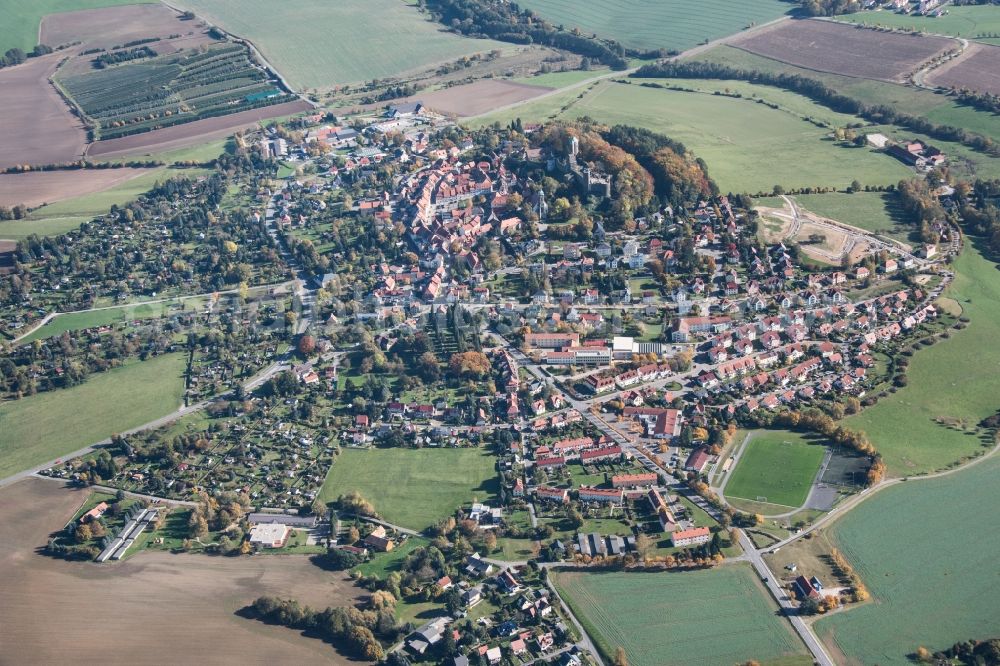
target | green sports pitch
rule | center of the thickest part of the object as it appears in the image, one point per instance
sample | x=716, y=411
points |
x=777, y=467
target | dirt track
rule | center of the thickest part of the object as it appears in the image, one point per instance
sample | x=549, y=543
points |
x=36, y=127
x=155, y=608
x=40, y=187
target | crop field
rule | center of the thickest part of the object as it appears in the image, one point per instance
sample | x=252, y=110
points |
x=39, y=187
x=19, y=28
x=41, y=427
x=320, y=44
x=413, y=487
x=778, y=466
x=977, y=69
x=844, y=49
x=981, y=23
x=732, y=135
x=953, y=385
x=937, y=108
x=656, y=24
x=36, y=124
x=711, y=617
x=193, y=619
x=931, y=592
x=479, y=97
x=170, y=90
x=108, y=27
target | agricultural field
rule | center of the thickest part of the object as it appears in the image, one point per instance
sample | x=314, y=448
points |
x=38, y=127
x=35, y=428
x=842, y=49
x=479, y=97
x=658, y=24
x=63, y=216
x=778, y=466
x=730, y=134
x=195, y=618
x=933, y=421
x=413, y=488
x=981, y=23
x=935, y=107
x=710, y=617
x=19, y=28
x=168, y=90
x=36, y=188
x=932, y=592
x=976, y=69
x=877, y=212
x=319, y=44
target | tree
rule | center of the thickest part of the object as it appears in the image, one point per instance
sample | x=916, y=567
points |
x=575, y=518
x=197, y=525
x=83, y=533
x=643, y=545
x=382, y=599
x=469, y=365
x=318, y=507
x=353, y=535
x=490, y=541
x=307, y=345
x=620, y=658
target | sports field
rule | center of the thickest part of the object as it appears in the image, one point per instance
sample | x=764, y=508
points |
x=777, y=467
x=319, y=44
x=413, y=487
x=656, y=24
x=19, y=28
x=41, y=427
x=928, y=589
x=952, y=386
x=711, y=617
x=981, y=23
x=733, y=136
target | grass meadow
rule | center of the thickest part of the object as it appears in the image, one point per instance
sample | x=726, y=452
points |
x=320, y=44
x=953, y=385
x=19, y=28
x=655, y=24
x=413, y=488
x=47, y=425
x=877, y=212
x=927, y=589
x=779, y=465
x=709, y=617
x=981, y=23
x=935, y=107
x=749, y=147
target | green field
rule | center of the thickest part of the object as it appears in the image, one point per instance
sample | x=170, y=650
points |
x=413, y=488
x=21, y=18
x=956, y=381
x=712, y=617
x=981, y=23
x=319, y=44
x=73, y=321
x=928, y=589
x=60, y=217
x=735, y=137
x=779, y=465
x=878, y=212
x=655, y=24
x=933, y=106
x=38, y=428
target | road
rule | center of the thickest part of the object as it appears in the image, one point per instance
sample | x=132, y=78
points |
x=804, y=631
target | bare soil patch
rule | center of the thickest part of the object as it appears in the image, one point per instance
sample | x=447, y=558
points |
x=114, y=26
x=189, y=134
x=36, y=126
x=978, y=69
x=152, y=609
x=41, y=187
x=838, y=48
x=479, y=97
